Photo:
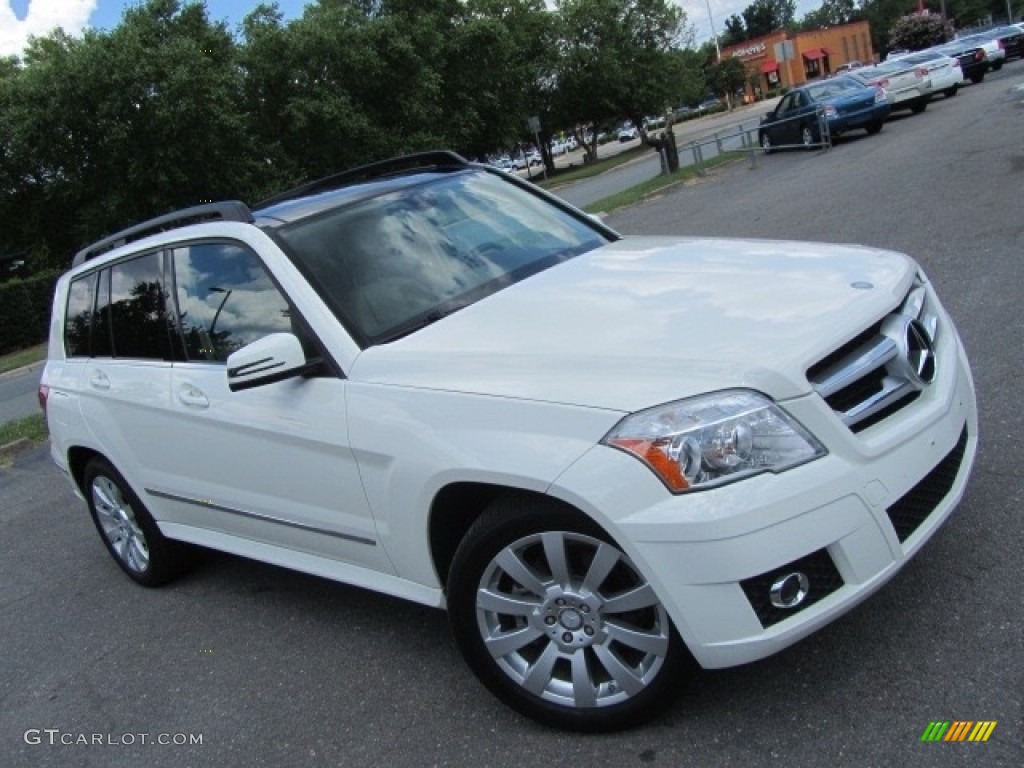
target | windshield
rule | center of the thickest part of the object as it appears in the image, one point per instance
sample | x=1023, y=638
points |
x=394, y=263
x=832, y=88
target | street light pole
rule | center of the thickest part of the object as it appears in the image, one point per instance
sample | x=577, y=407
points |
x=718, y=50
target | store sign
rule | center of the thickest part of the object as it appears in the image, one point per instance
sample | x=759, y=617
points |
x=752, y=50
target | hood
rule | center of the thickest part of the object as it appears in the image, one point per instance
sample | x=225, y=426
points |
x=644, y=321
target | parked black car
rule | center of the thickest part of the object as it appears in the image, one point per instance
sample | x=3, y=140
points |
x=1010, y=38
x=970, y=54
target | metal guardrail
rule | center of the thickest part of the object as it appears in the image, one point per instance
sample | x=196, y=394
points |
x=745, y=141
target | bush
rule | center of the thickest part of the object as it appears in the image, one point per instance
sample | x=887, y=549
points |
x=25, y=310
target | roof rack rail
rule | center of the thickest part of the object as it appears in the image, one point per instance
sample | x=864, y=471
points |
x=419, y=160
x=231, y=210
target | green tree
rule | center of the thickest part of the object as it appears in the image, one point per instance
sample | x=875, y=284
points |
x=735, y=30
x=727, y=76
x=114, y=127
x=832, y=13
x=916, y=32
x=765, y=16
x=616, y=61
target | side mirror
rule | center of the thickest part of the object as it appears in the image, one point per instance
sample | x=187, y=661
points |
x=273, y=358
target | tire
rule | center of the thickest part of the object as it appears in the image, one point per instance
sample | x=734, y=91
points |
x=537, y=599
x=766, y=143
x=808, y=137
x=977, y=77
x=128, y=530
x=997, y=67
x=875, y=127
x=920, y=105
x=950, y=92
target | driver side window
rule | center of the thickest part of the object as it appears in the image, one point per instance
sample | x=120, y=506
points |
x=225, y=300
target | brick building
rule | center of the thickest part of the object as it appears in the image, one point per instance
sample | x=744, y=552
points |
x=816, y=54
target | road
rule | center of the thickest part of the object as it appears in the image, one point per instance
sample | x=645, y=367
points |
x=271, y=668
x=726, y=127
x=18, y=393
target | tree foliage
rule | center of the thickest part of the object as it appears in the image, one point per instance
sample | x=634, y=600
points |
x=916, y=32
x=170, y=109
x=762, y=17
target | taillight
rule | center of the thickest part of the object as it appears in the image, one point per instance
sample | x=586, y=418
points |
x=979, y=55
x=43, y=393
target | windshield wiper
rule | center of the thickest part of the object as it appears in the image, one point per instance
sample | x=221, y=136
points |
x=420, y=323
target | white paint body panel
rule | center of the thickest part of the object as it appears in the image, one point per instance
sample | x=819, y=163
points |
x=517, y=391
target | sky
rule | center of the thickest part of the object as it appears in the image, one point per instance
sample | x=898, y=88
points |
x=21, y=18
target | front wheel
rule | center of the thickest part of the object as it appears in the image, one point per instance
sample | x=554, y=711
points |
x=558, y=622
x=920, y=105
x=950, y=92
x=977, y=77
x=875, y=127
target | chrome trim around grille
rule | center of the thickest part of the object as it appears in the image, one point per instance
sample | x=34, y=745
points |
x=884, y=368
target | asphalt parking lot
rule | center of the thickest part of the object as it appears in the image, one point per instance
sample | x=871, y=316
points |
x=265, y=667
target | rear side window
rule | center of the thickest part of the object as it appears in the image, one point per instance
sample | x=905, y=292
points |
x=138, y=309
x=78, y=319
x=225, y=300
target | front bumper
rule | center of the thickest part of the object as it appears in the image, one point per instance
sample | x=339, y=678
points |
x=848, y=521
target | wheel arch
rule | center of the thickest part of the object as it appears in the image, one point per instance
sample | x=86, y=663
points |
x=458, y=505
x=79, y=457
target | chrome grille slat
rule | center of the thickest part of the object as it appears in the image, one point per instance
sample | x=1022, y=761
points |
x=855, y=367
x=884, y=368
x=893, y=390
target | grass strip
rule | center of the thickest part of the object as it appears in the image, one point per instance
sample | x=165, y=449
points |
x=657, y=184
x=22, y=357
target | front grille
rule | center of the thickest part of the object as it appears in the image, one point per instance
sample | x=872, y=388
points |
x=913, y=508
x=822, y=576
x=870, y=377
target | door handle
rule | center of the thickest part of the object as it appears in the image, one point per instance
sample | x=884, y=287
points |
x=192, y=397
x=99, y=380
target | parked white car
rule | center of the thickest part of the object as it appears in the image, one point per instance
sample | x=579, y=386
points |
x=429, y=379
x=907, y=86
x=944, y=74
x=628, y=132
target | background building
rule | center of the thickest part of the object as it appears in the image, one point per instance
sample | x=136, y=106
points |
x=815, y=54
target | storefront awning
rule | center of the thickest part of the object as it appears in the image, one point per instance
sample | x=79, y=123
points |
x=814, y=54
x=769, y=66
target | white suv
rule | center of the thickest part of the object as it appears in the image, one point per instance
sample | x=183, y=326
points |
x=607, y=457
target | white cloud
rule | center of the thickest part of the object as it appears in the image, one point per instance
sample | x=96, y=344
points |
x=42, y=18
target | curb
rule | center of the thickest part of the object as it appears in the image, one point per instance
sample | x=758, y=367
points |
x=24, y=369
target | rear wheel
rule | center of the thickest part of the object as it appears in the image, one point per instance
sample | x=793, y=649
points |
x=557, y=621
x=766, y=143
x=128, y=530
x=977, y=77
x=950, y=92
x=875, y=127
x=996, y=67
x=920, y=105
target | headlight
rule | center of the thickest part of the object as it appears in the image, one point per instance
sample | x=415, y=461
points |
x=714, y=439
